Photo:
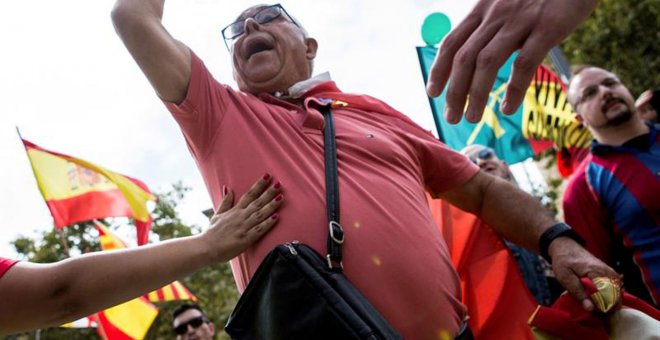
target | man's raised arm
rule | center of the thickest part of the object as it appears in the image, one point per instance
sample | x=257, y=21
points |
x=164, y=60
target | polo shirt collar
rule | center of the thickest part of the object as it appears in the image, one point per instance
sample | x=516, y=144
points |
x=640, y=143
x=298, y=89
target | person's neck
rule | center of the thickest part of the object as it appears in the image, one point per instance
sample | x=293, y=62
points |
x=618, y=135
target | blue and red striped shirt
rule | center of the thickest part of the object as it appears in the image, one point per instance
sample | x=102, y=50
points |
x=613, y=202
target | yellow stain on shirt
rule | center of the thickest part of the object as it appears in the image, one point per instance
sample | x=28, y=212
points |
x=376, y=260
x=356, y=224
x=443, y=334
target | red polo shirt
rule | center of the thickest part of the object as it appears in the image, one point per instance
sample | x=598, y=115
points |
x=5, y=264
x=393, y=252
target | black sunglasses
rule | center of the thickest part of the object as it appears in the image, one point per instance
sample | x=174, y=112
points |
x=483, y=154
x=195, y=323
x=262, y=16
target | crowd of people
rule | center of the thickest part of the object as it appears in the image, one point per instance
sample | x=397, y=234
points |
x=273, y=124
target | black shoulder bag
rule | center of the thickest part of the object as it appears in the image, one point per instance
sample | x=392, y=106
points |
x=297, y=294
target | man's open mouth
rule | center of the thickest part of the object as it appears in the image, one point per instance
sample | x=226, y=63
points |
x=256, y=45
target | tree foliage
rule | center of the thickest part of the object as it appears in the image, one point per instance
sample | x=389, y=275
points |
x=213, y=286
x=621, y=36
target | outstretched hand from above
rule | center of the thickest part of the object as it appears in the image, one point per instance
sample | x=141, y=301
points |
x=471, y=54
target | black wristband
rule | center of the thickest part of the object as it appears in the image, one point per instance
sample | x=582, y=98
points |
x=558, y=230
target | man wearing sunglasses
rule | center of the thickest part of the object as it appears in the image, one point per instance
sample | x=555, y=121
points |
x=486, y=159
x=190, y=322
x=614, y=199
x=393, y=252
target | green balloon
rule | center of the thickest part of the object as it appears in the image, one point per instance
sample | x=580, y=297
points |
x=435, y=27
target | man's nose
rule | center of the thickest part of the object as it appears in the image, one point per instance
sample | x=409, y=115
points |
x=190, y=329
x=605, y=91
x=250, y=25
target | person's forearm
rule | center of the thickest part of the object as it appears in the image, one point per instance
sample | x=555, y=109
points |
x=148, y=267
x=138, y=9
x=97, y=281
x=165, y=61
x=514, y=214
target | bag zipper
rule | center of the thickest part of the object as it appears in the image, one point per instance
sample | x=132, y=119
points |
x=291, y=248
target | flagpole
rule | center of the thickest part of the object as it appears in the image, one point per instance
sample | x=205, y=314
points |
x=63, y=241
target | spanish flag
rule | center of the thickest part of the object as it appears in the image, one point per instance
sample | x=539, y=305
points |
x=174, y=291
x=129, y=320
x=76, y=190
x=87, y=322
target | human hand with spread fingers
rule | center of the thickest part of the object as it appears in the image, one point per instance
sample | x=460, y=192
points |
x=471, y=54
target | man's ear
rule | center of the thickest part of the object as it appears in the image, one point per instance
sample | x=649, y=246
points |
x=312, y=46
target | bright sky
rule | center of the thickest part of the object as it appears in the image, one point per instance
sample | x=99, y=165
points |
x=68, y=83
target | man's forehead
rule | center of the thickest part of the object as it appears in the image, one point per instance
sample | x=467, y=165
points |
x=250, y=11
x=187, y=315
x=588, y=76
x=592, y=75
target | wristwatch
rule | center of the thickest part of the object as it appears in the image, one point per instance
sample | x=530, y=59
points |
x=557, y=230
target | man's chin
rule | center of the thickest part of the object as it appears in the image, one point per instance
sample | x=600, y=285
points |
x=259, y=87
x=620, y=118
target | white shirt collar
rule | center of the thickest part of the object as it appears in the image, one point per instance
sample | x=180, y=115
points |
x=301, y=87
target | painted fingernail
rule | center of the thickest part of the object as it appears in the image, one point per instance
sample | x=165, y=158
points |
x=275, y=216
x=277, y=185
x=225, y=190
x=266, y=176
x=279, y=198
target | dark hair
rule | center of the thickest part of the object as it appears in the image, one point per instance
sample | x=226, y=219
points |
x=186, y=306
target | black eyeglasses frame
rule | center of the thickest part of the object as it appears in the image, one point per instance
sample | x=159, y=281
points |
x=254, y=16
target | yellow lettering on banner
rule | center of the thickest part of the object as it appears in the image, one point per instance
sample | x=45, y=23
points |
x=61, y=179
x=547, y=115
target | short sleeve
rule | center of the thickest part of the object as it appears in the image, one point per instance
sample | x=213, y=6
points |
x=202, y=111
x=442, y=168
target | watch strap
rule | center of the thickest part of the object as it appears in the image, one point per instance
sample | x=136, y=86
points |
x=557, y=230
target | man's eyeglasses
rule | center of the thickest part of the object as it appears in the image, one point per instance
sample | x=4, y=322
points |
x=590, y=92
x=262, y=16
x=195, y=323
x=483, y=154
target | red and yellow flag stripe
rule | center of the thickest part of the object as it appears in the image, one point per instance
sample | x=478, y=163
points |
x=174, y=291
x=76, y=190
